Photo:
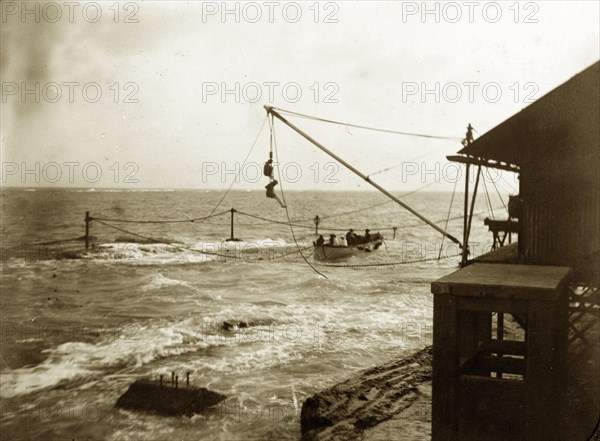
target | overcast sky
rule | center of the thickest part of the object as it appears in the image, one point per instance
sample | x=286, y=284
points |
x=163, y=121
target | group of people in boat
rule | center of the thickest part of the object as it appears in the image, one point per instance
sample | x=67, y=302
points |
x=350, y=239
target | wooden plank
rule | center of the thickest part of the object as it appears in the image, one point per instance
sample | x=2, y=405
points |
x=501, y=225
x=491, y=409
x=445, y=368
x=507, y=365
x=509, y=347
x=504, y=281
x=541, y=406
x=492, y=304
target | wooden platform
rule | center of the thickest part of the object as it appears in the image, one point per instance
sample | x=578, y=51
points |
x=504, y=281
x=486, y=386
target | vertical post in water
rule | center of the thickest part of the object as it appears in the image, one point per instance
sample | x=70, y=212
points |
x=87, y=229
x=232, y=211
x=317, y=220
x=231, y=238
x=187, y=380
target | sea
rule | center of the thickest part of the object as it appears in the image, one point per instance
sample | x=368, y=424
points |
x=257, y=319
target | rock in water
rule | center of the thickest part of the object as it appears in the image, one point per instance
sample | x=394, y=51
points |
x=371, y=397
x=147, y=396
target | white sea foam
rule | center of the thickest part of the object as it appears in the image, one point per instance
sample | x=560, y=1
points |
x=131, y=348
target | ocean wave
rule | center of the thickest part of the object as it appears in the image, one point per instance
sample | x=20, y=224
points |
x=132, y=347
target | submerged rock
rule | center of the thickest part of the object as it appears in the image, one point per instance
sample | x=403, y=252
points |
x=147, y=396
x=347, y=409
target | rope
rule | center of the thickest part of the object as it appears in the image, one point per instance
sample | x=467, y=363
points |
x=166, y=243
x=448, y=217
x=210, y=253
x=59, y=241
x=511, y=188
x=408, y=160
x=285, y=206
x=488, y=200
x=499, y=195
x=419, y=135
x=389, y=201
x=273, y=220
x=242, y=167
x=158, y=221
x=264, y=219
x=364, y=265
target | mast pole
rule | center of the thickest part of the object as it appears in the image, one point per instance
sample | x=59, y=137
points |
x=466, y=221
x=465, y=250
x=273, y=112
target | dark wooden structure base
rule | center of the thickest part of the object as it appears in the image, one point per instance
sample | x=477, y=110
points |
x=486, y=386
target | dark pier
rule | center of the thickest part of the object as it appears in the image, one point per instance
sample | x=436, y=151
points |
x=516, y=332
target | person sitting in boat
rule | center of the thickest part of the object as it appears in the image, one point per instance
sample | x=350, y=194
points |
x=271, y=192
x=332, y=239
x=320, y=240
x=350, y=237
x=367, y=236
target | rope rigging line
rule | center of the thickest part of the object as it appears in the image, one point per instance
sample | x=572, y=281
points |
x=408, y=160
x=396, y=132
x=363, y=265
x=264, y=219
x=497, y=192
x=510, y=187
x=285, y=205
x=210, y=253
x=389, y=201
x=242, y=167
x=154, y=240
x=448, y=218
x=176, y=221
x=488, y=200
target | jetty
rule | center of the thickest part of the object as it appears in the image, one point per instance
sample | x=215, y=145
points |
x=540, y=381
x=516, y=338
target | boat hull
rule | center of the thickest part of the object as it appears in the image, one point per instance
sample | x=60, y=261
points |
x=339, y=252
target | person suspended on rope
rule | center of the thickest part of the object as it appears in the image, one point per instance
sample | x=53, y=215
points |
x=271, y=192
x=350, y=237
x=320, y=240
x=268, y=168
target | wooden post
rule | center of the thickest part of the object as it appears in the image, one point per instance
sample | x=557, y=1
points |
x=466, y=241
x=445, y=367
x=465, y=250
x=231, y=238
x=317, y=220
x=187, y=379
x=87, y=229
x=172, y=379
x=499, y=334
x=176, y=380
x=395, y=229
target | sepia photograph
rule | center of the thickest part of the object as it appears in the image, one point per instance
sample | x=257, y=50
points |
x=300, y=220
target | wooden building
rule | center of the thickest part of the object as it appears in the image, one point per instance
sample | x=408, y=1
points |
x=516, y=351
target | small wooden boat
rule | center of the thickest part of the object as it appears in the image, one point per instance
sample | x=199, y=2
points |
x=339, y=252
